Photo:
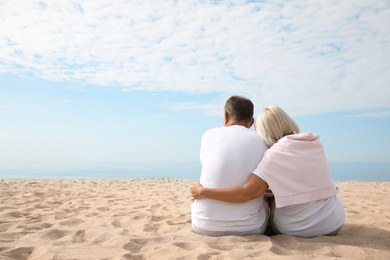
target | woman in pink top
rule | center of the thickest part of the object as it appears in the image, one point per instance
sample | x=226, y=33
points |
x=304, y=201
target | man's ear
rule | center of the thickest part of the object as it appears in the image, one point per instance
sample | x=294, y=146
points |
x=225, y=118
x=251, y=124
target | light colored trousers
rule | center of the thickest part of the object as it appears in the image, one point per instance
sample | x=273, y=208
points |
x=257, y=231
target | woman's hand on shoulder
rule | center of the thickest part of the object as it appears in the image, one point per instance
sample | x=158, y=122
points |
x=195, y=190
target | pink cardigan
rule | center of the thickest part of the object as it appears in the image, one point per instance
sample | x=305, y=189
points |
x=297, y=171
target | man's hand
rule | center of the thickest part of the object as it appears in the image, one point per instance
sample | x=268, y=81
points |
x=195, y=190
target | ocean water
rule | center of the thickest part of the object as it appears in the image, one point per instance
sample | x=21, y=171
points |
x=181, y=170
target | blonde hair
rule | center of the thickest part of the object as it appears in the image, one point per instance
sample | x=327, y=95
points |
x=273, y=123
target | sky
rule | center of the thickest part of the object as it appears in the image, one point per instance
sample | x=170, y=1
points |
x=98, y=80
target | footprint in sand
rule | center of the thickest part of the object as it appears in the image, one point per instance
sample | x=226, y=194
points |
x=159, y=218
x=133, y=257
x=19, y=253
x=116, y=224
x=56, y=234
x=185, y=245
x=7, y=226
x=135, y=245
x=79, y=237
x=12, y=236
x=71, y=222
x=207, y=256
x=150, y=227
x=101, y=239
x=171, y=223
x=13, y=214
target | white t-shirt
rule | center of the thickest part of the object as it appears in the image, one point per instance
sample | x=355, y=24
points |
x=228, y=156
x=309, y=219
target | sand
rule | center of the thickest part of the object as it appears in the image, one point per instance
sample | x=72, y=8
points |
x=150, y=219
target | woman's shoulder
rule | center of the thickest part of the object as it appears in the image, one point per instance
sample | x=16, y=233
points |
x=301, y=137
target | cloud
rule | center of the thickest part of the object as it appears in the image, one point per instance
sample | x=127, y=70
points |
x=67, y=100
x=209, y=109
x=375, y=114
x=306, y=56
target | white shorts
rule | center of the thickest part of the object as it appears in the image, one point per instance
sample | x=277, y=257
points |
x=258, y=231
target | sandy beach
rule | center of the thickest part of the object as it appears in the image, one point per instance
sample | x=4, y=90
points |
x=151, y=219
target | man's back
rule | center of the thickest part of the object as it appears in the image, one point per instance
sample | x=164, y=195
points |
x=229, y=155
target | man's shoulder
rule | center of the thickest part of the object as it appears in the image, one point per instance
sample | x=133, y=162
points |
x=213, y=131
x=218, y=130
x=211, y=134
x=249, y=132
x=230, y=131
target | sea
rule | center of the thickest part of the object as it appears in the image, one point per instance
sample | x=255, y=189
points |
x=340, y=171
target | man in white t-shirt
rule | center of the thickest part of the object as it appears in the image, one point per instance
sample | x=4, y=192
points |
x=229, y=155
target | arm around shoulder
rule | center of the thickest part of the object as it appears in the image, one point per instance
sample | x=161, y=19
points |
x=253, y=188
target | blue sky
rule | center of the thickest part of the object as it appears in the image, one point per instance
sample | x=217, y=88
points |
x=142, y=80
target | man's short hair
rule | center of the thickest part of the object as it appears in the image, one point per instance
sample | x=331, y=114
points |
x=239, y=108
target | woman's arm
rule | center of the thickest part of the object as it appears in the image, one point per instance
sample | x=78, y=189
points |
x=253, y=188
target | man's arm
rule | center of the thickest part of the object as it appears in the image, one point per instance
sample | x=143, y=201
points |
x=253, y=188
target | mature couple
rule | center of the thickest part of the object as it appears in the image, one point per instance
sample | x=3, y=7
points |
x=240, y=165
